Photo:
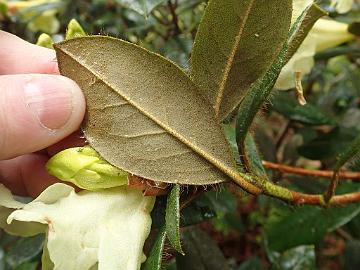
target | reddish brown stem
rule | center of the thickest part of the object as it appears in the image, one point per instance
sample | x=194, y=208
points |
x=301, y=198
x=355, y=176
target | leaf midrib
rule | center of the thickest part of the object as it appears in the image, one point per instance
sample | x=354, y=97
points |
x=230, y=61
x=211, y=159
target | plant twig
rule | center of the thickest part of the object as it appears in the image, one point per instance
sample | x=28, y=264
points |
x=330, y=192
x=355, y=176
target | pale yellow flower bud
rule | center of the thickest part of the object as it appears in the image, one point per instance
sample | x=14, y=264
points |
x=74, y=30
x=45, y=41
x=84, y=167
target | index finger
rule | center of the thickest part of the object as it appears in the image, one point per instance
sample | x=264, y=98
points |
x=21, y=57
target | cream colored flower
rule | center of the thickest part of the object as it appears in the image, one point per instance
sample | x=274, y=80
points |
x=103, y=230
x=325, y=34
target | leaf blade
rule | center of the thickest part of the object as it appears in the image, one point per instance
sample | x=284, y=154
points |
x=153, y=262
x=230, y=39
x=172, y=219
x=153, y=108
x=351, y=152
x=262, y=88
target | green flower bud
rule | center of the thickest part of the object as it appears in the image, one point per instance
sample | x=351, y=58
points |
x=3, y=8
x=74, y=30
x=45, y=40
x=84, y=167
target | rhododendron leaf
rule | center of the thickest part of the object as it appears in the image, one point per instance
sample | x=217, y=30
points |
x=235, y=45
x=144, y=115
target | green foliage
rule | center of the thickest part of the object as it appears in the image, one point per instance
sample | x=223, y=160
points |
x=153, y=262
x=225, y=60
x=349, y=154
x=143, y=7
x=253, y=263
x=24, y=250
x=201, y=253
x=172, y=218
x=309, y=114
x=261, y=89
x=328, y=145
x=306, y=225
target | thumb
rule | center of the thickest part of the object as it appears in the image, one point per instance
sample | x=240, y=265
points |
x=37, y=111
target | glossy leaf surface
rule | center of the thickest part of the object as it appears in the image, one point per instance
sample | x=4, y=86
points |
x=305, y=225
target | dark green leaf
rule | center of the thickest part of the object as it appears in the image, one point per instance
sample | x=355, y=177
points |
x=354, y=227
x=24, y=250
x=172, y=218
x=28, y=266
x=170, y=265
x=349, y=154
x=231, y=138
x=308, y=114
x=354, y=28
x=352, y=255
x=298, y=258
x=253, y=263
x=232, y=49
x=143, y=7
x=256, y=96
x=305, y=225
x=328, y=145
x=194, y=213
x=341, y=50
x=158, y=212
x=144, y=115
x=253, y=157
x=251, y=151
x=153, y=262
x=261, y=89
x=201, y=252
x=224, y=204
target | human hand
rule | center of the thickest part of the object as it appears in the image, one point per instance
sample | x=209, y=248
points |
x=38, y=109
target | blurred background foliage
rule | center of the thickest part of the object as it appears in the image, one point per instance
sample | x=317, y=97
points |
x=233, y=231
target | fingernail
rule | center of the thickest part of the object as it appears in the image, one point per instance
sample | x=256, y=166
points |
x=50, y=100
